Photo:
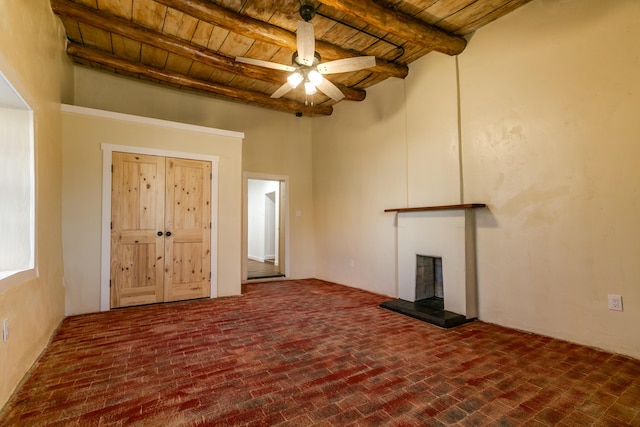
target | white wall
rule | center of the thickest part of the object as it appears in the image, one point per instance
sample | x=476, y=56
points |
x=359, y=169
x=433, y=164
x=548, y=137
x=82, y=196
x=256, y=191
x=16, y=180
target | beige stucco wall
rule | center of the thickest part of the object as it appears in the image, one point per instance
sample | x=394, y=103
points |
x=32, y=58
x=275, y=143
x=82, y=197
x=359, y=169
x=432, y=132
x=548, y=103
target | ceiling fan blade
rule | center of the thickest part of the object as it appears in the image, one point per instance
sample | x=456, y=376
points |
x=330, y=90
x=347, y=64
x=282, y=90
x=266, y=64
x=306, y=43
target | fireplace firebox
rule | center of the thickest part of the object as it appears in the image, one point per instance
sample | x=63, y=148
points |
x=429, y=281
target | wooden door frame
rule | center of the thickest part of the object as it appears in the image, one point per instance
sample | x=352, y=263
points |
x=284, y=215
x=105, y=260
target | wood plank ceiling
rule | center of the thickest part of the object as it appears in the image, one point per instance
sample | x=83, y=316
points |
x=192, y=44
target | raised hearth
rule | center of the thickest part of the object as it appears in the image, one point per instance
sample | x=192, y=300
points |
x=429, y=310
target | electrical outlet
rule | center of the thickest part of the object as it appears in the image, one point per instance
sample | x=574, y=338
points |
x=615, y=302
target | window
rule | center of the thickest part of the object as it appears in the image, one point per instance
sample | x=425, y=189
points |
x=16, y=182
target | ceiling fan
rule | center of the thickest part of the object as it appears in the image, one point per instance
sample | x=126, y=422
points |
x=306, y=67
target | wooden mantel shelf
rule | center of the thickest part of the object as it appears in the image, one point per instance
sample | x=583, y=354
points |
x=439, y=208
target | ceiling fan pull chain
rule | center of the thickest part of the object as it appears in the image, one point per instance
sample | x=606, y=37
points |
x=307, y=102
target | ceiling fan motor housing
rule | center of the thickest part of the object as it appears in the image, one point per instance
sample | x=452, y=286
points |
x=316, y=59
x=307, y=12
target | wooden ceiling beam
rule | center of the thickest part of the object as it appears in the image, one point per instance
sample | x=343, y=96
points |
x=401, y=25
x=252, y=97
x=176, y=45
x=259, y=30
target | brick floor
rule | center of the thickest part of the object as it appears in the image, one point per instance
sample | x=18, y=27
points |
x=308, y=352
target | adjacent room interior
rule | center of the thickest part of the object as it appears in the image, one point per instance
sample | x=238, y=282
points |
x=266, y=228
x=141, y=169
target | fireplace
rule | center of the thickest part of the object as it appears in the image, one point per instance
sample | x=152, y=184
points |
x=437, y=264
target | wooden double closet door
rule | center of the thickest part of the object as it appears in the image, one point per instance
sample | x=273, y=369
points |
x=160, y=229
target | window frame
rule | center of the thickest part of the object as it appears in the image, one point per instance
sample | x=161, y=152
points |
x=14, y=96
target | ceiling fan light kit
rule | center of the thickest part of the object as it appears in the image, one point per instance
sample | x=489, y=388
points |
x=304, y=73
x=295, y=79
x=314, y=77
x=309, y=88
x=306, y=63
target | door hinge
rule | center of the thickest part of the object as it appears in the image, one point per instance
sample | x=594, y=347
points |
x=109, y=282
x=209, y=275
x=111, y=168
x=111, y=225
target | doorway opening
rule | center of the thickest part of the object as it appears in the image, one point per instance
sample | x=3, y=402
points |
x=265, y=227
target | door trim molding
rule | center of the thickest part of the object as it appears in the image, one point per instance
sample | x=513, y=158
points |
x=284, y=211
x=105, y=258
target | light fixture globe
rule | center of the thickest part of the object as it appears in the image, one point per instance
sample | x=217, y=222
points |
x=309, y=88
x=295, y=79
x=314, y=77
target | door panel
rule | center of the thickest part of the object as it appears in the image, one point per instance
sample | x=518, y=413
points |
x=152, y=194
x=137, y=214
x=188, y=218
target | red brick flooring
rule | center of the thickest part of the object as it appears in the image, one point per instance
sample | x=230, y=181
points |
x=307, y=352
